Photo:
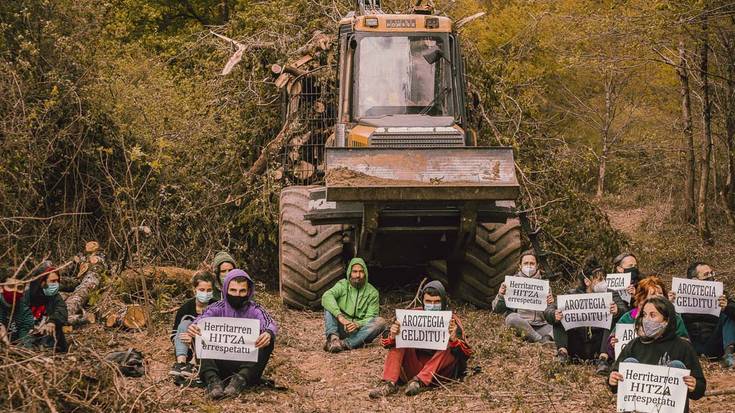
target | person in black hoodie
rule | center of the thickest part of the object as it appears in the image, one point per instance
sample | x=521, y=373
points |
x=711, y=336
x=586, y=343
x=203, y=286
x=49, y=311
x=658, y=344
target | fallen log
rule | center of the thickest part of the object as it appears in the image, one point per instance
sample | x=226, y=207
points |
x=131, y=316
x=77, y=299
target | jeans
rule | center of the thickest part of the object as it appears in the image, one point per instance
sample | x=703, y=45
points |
x=530, y=332
x=181, y=348
x=723, y=336
x=359, y=338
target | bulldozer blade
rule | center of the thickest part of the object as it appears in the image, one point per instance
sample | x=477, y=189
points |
x=420, y=174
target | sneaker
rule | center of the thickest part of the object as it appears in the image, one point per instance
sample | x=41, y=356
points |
x=336, y=345
x=415, y=387
x=547, y=341
x=236, y=385
x=385, y=388
x=562, y=357
x=176, y=369
x=333, y=338
x=188, y=371
x=728, y=361
x=602, y=367
x=215, y=390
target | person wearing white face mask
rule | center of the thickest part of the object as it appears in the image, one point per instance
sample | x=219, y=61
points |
x=421, y=369
x=711, y=336
x=658, y=344
x=49, y=310
x=530, y=324
x=182, y=370
x=586, y=343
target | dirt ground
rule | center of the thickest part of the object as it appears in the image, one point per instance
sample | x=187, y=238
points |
x=507, y=375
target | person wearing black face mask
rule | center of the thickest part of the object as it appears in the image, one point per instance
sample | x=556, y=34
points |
x=237, y=303
x=14, y=303
x=711, y=336
x=585, y=343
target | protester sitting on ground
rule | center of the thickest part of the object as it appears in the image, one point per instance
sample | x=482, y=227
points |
x=530, y=324
x=221, y=265
x=238, y=303
x=351, y=309
x=651, y=286
x=711, y=336
x=586, y=343
x=626, y=262
x=658, y=344
x=422, y=368
x=184, y=367
x=49, y=311
x=15, y=304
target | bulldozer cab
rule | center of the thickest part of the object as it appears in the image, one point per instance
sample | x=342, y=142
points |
x=399, y=71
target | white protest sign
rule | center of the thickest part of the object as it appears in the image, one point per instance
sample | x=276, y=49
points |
x=585, y=310
x=427, y=330
x=649, y=388
x=227, y=338
x=624, y=333
x=619, y=282
x=526, y=293
x=696, y=296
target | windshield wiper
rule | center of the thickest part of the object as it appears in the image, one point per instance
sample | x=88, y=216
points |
x=428, y=107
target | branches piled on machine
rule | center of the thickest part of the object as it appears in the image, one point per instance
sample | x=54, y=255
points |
x=300, y=79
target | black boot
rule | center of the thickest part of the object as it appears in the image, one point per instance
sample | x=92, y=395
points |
x=214, y=388
x=236, y=385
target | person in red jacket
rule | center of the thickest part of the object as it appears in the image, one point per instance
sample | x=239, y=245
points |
x=422, y=368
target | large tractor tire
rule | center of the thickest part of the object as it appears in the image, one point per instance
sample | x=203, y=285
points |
x=493, y=255
x=310, y=258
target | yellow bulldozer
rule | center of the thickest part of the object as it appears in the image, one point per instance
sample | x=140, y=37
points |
x=404, y=182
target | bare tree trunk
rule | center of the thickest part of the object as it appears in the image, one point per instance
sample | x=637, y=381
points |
x=702, y=218
x=728, y=191
x=686, y=116
x=605, y=132
x=602, y=170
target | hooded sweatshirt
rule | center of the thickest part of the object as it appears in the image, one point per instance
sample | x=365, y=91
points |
x=535, y=318
x=459, y=348
x=359, y=305
x=219, y=259
x=53, y=307
x=22, y=322
x=251, y=309
x=665, y=348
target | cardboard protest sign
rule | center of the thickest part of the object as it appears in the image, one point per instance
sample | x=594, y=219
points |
x=624, y=333
x=526, y=293
x=696, y=296
x=227, y=338
x=427, y=330
x=648, y=388
x=585, y=310
x=619, y=282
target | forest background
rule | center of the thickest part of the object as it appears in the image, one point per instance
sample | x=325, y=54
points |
x=114, y=116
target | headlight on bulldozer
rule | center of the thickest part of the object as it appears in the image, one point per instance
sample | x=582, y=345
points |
x=371, y=21
x=432, y=22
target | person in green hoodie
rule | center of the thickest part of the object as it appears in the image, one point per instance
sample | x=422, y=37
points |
x=351, y=310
